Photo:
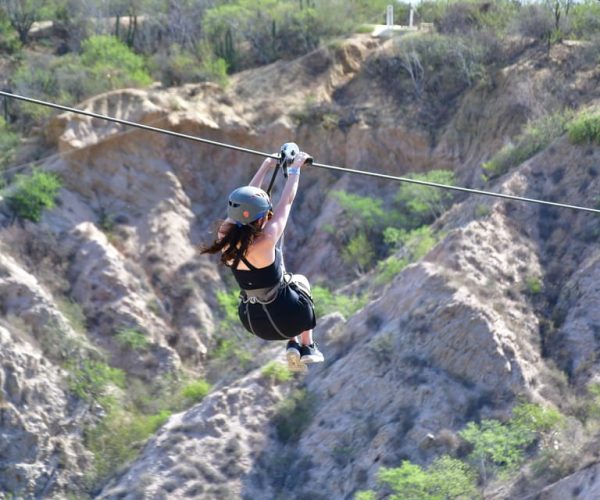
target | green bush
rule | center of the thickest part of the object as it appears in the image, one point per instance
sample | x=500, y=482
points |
x=327, y=302
x=387, y=269
x=427, y=73
x=364, y=211
x=33, y=194
x=464, y=17
x=536, y=136
x=500, y=447
x=277, y=372
x=416, y=243
x=248, y=32
x=9, y=40
x=445, y=478
x=359, y=252
x=584, y=20
x=423, y=204
x=294, y=415
x=104, y=64
x=113, y=62
x=74, y=314
x=196, y=391
x=133, y=339
x=229, y=350
x=228, y=306
x=176, y=66
x=9, y=142
x=90, y=380
x=117, y=440
x=533, y=286
x=585, y=127
x=535, y=21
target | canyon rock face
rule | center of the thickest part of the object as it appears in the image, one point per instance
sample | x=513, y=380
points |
x=459, y=335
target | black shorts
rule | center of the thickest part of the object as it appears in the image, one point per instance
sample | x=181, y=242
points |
x=291, y=313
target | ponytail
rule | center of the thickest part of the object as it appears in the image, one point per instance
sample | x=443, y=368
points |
x=234, y=243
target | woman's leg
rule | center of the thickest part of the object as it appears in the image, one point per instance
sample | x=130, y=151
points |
x=306, y=338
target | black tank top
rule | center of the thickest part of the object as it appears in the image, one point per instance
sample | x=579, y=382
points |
x=264, y=277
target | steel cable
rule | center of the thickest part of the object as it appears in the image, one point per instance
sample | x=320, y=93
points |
x=314, y=164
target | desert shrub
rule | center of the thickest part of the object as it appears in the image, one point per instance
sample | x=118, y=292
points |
x=536, y=136
x=585, y=127
x=74, y=314
x=276, y=372
x=327, y=302
x=533, y=285
x=367, y=232
x=534, y=21
x=9, y=40
x=359, y=252
x=294, y=415
x=132, y=339
x=195, y=391
x=176, y=66
x=445, y=478
x=388, y=268
x=104, y=64
x=476, y=16
x=415, y=243
x=409, y=246
x=316, y=114
x=426, y=74
x=229, y=351
x=584, y=20
x=117, y=440
x=32, y=194
x=499, y=447
x=359, y=229
x=423, y=204
x=246, y=33
x=228, y=306
x=9, y=142
x=362, y=211
x=90, y=380
x=111, y=60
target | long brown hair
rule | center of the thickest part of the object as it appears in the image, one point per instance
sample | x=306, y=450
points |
x=235, y=242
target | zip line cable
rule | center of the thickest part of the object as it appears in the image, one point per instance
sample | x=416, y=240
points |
x=314, y=164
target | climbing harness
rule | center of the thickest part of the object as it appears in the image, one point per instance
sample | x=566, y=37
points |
x=314, y=164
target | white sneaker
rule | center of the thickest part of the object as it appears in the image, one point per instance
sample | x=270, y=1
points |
x=292, y=353
x=311, y=354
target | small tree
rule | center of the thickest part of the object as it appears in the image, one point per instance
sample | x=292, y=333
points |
x=22, y=14
x=560, y=10
x=445, y=478
x=33, y=194
x=9, y=141
x=426, y=203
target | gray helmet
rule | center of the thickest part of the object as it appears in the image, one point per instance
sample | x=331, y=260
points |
x=248, y=204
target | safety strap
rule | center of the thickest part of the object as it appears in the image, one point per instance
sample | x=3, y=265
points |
x=245, y=261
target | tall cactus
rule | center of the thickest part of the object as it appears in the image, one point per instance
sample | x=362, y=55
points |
x=229, y=52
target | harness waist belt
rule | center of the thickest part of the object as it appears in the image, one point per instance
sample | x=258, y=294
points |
x=261, y=295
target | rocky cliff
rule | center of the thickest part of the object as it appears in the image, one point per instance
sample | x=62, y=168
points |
x=454, y=337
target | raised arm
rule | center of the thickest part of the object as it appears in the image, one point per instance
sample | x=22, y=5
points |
x=266, y=167
x=281, y=213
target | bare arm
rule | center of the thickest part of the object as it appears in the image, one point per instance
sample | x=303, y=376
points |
x=259, y=177
x=277, y=224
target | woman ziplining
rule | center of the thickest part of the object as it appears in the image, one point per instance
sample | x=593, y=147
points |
x=274, y=304
x=367, y=173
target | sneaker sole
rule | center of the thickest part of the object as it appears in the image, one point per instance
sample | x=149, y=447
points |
x=294, y=362
x=310, y=359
